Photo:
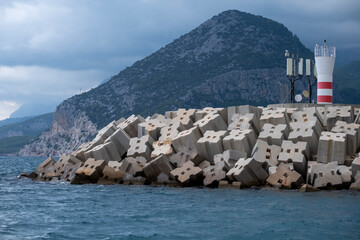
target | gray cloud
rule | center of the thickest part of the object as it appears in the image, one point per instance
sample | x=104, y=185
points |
x=76, y=44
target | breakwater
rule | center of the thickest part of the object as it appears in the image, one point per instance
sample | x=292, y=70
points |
x=302, y=146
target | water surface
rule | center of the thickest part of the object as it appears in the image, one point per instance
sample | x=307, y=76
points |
x=54, y=210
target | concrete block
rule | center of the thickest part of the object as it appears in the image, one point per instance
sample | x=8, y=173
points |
x=151, y=127
x=265, y=154
x=121, y=140
x=89, y=172
x=331, y=114
x=275, y=117
x=187, y=138
x=211, y=144
x=170, y=114
x=186, y=117
x=106, y=151
x=274, y=134
x=200, y=114
x=120, y=121
x=171, y=131
x=310, y=164
x=332, y=148
x=352, y=132
x=165, y=180
x=184, y=155
x=308, y=188
x=141, y=147
x=162, y=147
x=211, y=122
x=285, y=178
x=69, y=172
x=157, y=166
x=248, y=171
x=240, y=140
x=112, y=174
x=129, y=179
x=355, y=166
x=133, y=166
x=45, y=166
x=64, y=161
x=305, y=132
x=85, y=147
x=305, y=115
x=130, y=125
x=214, y=173
x=229, y=157
x=296, y=153
x=226, y=184
x=356, y=184
x=188, y=174
x=204, y=164
x=325, y=175
x=242, y=110
x=107, y=131
x=244, y=122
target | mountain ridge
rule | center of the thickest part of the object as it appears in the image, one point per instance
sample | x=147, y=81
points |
x=233, y=58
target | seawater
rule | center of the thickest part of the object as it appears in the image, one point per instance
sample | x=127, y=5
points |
x=56, y=210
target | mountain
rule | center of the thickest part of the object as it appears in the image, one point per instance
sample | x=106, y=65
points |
x=233, y=58
x=14, y=136
x=13, y=120
x=346, y=83
x=34, y=109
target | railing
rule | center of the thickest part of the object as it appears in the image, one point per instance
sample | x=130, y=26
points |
x=325, y=51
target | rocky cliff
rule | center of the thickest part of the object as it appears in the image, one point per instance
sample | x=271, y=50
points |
x=231, y=59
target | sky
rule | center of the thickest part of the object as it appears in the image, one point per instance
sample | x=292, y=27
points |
x=52, y=50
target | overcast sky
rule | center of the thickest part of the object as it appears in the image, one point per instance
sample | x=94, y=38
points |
x=50, y=50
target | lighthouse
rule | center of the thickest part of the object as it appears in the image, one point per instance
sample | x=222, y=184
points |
x=325, y=60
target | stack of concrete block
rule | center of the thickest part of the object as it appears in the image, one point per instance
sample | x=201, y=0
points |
x=248, y=171
x=211, y=144
x=330, y=115
x=133, y=165
x=85, y=147
x=329, y=175
x=45, y=168
x=305, y=132
x=89, y=172
x=214, y=173
x=244, y=122
x=187, y=138
x=188, y=174
x=285, y=178
x=200, y=114
x=212, y=122
x=121, y=140
x=130, y=125
x=186, y=117
x=296, y=153
x=275, y=117
x=151, y=127
x=274, y=134
x=267, y=155
x=141, y=147
x=184, y=155
x=356, y=184
x=332, y=148
x=240, y=140
x=242, y=110
x=112, y=174
x=352, y=131
x=159, y=165
x=171, y=131
x=229, y=157
x=162, y=147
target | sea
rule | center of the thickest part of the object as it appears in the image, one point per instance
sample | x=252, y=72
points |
x=58, y=210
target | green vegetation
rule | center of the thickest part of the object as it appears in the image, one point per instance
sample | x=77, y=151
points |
x=347, y=83
x=12, y=145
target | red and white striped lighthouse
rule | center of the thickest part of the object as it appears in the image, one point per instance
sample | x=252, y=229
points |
x=325, y=60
